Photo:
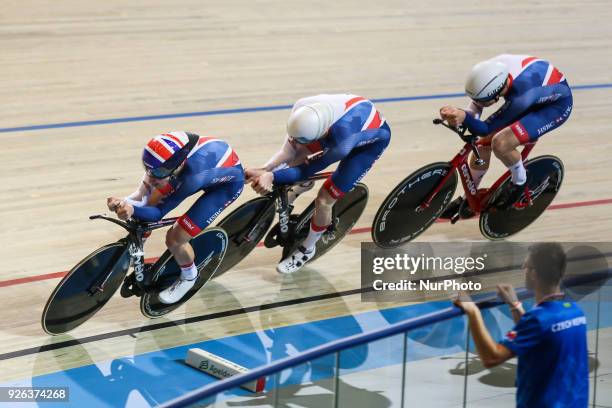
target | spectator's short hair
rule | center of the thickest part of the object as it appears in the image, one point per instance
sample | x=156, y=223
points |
x=549, y=261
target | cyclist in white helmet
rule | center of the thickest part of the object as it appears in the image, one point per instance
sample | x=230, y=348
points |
x=322, y=130
x=537, y=99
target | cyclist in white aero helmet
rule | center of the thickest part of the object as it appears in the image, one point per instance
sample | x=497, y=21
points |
x=537, y=99
x=486, y=81
x=321, y=130
x=308, y=123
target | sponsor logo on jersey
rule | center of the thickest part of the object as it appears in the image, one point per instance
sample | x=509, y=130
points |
x=549, y=98
x=334, y=190
x=519, y=129
x=546, y=127
x=223, y=179
x=189, y=225
x=212, y=217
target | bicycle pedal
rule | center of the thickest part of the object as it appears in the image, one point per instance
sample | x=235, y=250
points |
x=270, y=241
x=137, y=291
x=126, y=290
x=129, y=288
x=455, y=218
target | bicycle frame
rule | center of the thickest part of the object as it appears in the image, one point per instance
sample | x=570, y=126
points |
x=460, y=163
x=279, y=198
x=135, y=245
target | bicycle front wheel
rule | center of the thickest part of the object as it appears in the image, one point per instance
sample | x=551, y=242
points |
x=399, y=218
x=74, y=300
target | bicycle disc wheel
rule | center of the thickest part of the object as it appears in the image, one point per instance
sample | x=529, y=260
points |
x=545, y=178
x=398, y=220
x=209, y=248
x=72, y=302
x=243, y=236
x=347, y=211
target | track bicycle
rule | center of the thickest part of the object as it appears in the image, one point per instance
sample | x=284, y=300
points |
x=88, y=286
x=247, y=225
x=418, y=200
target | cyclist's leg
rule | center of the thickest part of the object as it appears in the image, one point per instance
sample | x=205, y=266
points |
x=479, y=170
x=527, y=129
x=349, y=172
x=203, y=212
x=537, y=123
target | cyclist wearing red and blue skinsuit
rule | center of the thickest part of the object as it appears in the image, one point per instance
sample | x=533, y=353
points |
x=322, y=130
x=538, y=100
x=357, y=138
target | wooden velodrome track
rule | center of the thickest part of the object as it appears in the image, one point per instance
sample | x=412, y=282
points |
x=85, y=61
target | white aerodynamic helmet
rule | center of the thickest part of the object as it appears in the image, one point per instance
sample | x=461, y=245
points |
x=486, y=80
x=309, y=122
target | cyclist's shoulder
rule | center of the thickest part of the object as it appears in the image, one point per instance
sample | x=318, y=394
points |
x=341, y=103
x=208, y=148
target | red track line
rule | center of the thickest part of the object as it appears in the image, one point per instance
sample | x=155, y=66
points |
x=361, y=230
x=580, y=204
x=28, y=279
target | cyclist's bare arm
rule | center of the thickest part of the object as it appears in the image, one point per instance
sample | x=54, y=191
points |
x=144, y=194
x=290, y=154
x=475, y=109
x=141, y=196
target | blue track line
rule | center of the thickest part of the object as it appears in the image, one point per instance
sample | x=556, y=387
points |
x=239, y=110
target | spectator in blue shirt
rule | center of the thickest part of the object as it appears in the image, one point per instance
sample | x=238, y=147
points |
x=550, y=340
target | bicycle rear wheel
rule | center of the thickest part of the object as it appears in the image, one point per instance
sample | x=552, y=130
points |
x=244, y=235
x=209, y=248
x=398, y=220
x=347, y=211
x=73, y=301
x=545, y=178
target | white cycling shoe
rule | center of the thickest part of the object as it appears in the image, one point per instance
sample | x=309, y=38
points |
x=295, y=261
x=176, y=292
